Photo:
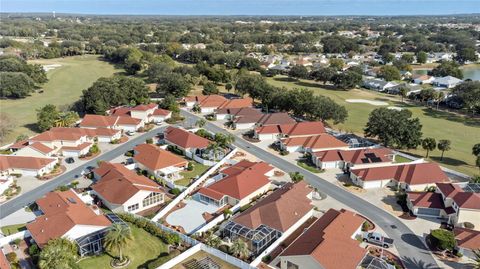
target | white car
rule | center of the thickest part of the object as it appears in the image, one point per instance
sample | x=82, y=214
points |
x=130, y=133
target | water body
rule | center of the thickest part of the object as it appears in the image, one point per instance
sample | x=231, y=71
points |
x=469, y=72
x=247, y=7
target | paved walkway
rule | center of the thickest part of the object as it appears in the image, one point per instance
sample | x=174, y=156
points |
x=190, y=217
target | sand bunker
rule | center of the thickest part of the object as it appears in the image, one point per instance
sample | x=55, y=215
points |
x=395, y=108
x=49, y=67
x=364, y=101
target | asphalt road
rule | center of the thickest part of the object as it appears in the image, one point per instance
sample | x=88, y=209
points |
x=411, y=247
x=26, y=198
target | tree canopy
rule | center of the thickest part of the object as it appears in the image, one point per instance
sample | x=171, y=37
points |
x=394, y=128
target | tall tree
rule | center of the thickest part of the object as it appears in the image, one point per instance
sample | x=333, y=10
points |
x=324, y=74
x=422, y=57
x=469, y=93
x=394, y=128
x=403, y=92
x=447, y=68
x=298, y=71
x=47, y=116
x=443, y=145
x=117, y=239
x=390, y=72
x=429, y=144
x=347, y=80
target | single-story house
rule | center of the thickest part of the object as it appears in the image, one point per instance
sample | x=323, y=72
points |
x=446, y=82
x=275, y=119
x=210, y=103
x=468, y=240
x=160, y=115
x=124, y=123
x=159, y=162
x=238, y=184
x=313, y=143
x=353, y=158
x=122, y=190
x=411, y=177
x=184, y=140
x=232, y=113
x=66, y=141
x=378, y=84
x=101, y=134
x=281, y=212
x=329, y=243
x=65, y=215
x=427, y=204
x=25, y=165
x=463, y=199
x=35, y=149
x=422, y=79
x=295, y=129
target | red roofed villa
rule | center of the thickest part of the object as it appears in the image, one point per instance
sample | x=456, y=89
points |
x=159, y=162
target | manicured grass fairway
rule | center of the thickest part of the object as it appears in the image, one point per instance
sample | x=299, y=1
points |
x=64, y=87
x=142, y=248
x=188, y=175
x=12, y=229
x=463, y=132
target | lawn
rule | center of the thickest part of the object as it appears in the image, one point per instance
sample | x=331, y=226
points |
x=144, y=247
x=463, y=132
x=198, y=169
x=308, y=166
x=401, y=159
x=12, y=229
x=64, y=87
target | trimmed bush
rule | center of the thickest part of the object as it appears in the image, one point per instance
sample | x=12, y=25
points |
x=443, y=239
x=175, y=191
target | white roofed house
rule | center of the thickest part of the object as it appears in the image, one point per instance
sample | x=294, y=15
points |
x=446, y=82
x=378, y=84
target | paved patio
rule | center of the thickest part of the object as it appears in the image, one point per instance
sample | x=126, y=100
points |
x=190, y=217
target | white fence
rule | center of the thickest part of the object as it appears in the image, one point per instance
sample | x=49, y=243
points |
x=192, y=187
x=212, y=251
x=203, y=161
x=20, y=235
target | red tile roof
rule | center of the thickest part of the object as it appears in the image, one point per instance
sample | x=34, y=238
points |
x=145, y=107
x=328, y=155
x=329, y=241
x=161, y=112
x=426, y=199
x=275, y=119
x=467, y=238
x=53, y=135
x=279, y=210
x=243, y=179
x=120, y=111
x=421, y=173
x=360, y=156
x=41, y=147
x=464, y=199
x=213, y=100
x=91, y=120
x=239, y=112
x=185, y=139
x=237, y=103
x=321, y=141
x=4, y=264
x=19, y=144
x=155, y=158
x=78, y=148
x=62, y=211
x=23, y=162
x=101, y=131
x=128, y=121
x=118, y=184
x=294, y=129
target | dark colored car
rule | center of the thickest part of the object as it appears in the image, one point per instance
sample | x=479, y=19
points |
x=69, y=160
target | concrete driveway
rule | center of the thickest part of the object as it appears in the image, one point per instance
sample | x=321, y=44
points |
x=190, y=217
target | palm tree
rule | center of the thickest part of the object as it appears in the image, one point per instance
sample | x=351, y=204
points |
x=239, y=248
x=229, y=139
x=58, y=253
x=213, y=241
x=214, y=149
x=443, y=145
x=66, y=119
x=117, y=239
x=476, y=265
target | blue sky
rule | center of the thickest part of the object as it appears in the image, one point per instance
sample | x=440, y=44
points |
x=245, y=7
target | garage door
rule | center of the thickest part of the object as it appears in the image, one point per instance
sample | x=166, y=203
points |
x=433, y=212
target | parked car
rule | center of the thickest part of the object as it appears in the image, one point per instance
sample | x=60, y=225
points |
x=130, y=133
x=377, y=239
x=69, y=160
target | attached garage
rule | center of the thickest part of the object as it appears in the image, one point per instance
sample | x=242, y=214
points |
x=428, y=212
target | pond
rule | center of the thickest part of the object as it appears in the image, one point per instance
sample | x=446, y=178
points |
x=472, y=72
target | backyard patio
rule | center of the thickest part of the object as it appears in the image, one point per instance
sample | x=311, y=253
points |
x=193, y=212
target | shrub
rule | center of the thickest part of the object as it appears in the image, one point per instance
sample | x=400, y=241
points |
x=190, y=166
x=284, y=152
x=129, y=153
x=94, y=149
x=296, y=176
x=141, y=129
x=163, y=258
x=12, y=257
x=245, y=207
x=33, y=250
x=224, y=248
x=365, y=226
x=149, y=141
x=175, y=191
x=266, y=258
x=443, y=239
x=468, y=225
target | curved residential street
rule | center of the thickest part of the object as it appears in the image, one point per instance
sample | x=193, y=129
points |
x=410, y=246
